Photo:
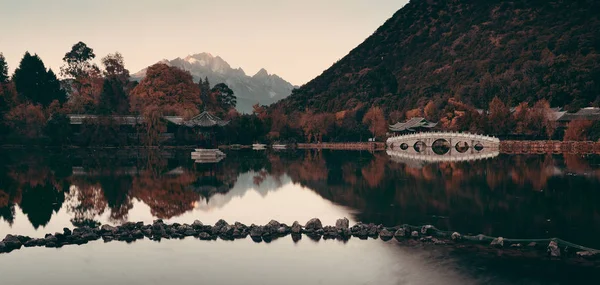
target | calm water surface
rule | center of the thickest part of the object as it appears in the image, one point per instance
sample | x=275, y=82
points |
x=529, y=196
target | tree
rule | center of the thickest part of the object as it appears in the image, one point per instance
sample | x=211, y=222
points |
x=114, y=67
x=113, y=99
x=499, y=119
x=3, y=70
x=578, y=130
x=204, y=89
x=169, y=88
x=78, y=61
x=35, y=84
x=376, y=121
x=85, y=77
x=26, y=120
x=225, y=97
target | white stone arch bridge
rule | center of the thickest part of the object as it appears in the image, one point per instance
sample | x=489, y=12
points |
x=443, y=146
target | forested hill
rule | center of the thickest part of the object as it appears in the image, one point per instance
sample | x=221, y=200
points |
x=521, y=50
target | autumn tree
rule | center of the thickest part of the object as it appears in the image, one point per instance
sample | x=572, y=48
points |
x=499, y=118
x=26, y=120
x=114, y=67
x=84, y=76
x=164, y=91
x=376, y=121
x=578, y=130
x=36, y=84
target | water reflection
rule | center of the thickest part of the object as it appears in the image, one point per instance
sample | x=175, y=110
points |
x=534, y=196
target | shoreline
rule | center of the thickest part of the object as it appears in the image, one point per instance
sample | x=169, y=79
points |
x=505, y=147
x=554, y=250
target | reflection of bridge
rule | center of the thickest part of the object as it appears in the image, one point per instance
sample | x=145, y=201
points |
x=406, y=156
x=442, y=146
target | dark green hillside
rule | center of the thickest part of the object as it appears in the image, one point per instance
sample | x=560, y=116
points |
x=521, y=50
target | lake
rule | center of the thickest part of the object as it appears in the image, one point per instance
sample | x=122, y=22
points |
x=513, y=196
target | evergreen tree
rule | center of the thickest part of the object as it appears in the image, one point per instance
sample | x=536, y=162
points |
x=204, y=89
x=113, y=99
x=34, y=83
x=225, y=97
x=3, y=69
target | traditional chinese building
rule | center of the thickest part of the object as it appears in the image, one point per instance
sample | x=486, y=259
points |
x=416, y=124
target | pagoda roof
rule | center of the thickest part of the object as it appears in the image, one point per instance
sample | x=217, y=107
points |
x=204, y=119
x=412, y=124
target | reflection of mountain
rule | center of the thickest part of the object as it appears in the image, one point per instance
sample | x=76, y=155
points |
x=244, y=183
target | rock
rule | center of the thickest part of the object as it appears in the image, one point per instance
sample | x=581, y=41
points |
x=256, y=231
x=342, y=223
x=220, y=224
x=313, y=225
x=532, y=244
x=296, y=237
x=204, y=236
x=400, y=233
x=12, y=242
x=197, y=224
x=456, y=236
x=137, y=234
x=588, y=254
x=386, y=235
x=373, y=230
x=108, y=229
x=89, y=236
x=296, y=228
x=2, y=247
x=31, y=243
x=107, y=238
x=51, y=238
x=67, y=232
x=516, y=245
x=274, y=224
x=414, y=234
x=438, y=242
x=282, y=231
x=427, y=230
x=553, y=249
x=497, y=242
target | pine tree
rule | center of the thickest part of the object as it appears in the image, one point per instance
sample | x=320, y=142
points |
x=113, y=99
x=35, y=84
x=3, y=69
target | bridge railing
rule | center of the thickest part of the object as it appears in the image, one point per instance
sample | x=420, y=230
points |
x=425, y=135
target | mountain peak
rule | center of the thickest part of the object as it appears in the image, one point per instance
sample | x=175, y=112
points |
x=261, y=73
x=263, y=87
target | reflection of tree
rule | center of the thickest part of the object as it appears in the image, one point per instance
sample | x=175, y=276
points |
x=30, y=182
x=85, y=201
x=501, y=196
x=166, y=196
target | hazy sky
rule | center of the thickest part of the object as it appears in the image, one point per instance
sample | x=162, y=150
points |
x=294, y=39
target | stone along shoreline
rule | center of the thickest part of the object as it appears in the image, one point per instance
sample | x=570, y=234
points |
x=550, y=249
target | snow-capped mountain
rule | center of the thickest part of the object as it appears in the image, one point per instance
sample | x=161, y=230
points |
x=263, y=88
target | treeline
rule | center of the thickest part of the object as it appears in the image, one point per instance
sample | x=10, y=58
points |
x=34, y=102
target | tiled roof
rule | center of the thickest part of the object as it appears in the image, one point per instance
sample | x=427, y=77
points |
x=592, y=114
x=410, y=125
x=205, y=119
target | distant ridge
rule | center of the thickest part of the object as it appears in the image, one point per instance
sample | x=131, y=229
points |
x=262, y=88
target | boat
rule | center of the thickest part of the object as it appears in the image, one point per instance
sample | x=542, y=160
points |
x=259, y=146
x=279, y=146
x=202, y=155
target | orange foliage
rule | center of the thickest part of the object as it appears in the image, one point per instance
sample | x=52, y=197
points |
x=27, y=120
x=376, y=121
x=414, y=113
x=578, y=130
x=168, y=89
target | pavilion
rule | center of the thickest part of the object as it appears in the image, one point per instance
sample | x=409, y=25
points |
x=416, y=124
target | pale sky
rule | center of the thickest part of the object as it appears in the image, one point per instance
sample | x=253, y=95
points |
x=295, y=39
